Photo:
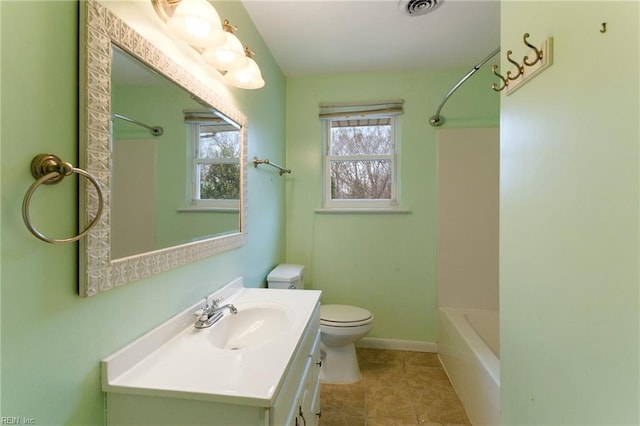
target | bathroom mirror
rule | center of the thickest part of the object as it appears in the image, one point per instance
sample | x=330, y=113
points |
x=142, y=116
x=153, y=202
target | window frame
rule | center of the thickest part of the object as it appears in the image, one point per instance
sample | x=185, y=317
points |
x=196, y=161
x=374, y=204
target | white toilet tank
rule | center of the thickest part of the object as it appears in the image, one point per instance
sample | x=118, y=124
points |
x=286, y=276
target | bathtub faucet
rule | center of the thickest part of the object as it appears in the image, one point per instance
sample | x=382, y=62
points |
x=211, y=314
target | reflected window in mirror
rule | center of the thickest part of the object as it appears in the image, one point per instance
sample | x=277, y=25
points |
x=215, y=163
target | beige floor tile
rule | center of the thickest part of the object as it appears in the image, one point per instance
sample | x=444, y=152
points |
x=338, y=418
x=398, y=388
x=427, y=378
x=348, y=399
x=384, y=421
x=381, y=374
x=439, y=406
x=379, y=356
x=424, y=359
x=391, y=400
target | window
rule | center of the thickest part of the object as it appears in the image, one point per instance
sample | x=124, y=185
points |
x=360, y=155
x=215, y=171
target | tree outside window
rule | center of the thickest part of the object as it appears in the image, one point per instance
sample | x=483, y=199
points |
x=216, y=165
x=360, y=162
x=366, y=178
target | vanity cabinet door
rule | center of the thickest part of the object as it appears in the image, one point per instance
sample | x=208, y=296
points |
x=314, y=401
x=291, y=408
x=308, y=412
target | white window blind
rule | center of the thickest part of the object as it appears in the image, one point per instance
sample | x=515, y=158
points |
x=363, y=109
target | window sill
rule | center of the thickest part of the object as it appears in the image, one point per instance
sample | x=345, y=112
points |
x=208, y=210
x=369, y=210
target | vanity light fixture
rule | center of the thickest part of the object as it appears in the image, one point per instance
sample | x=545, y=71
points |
x=248, y=77
x=195, y=21
x=198, y=23
x=230, y=56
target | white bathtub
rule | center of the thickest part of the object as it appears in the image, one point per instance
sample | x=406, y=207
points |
x=468, y=348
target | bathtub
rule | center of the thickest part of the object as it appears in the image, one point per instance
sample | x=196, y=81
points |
x=468, y=348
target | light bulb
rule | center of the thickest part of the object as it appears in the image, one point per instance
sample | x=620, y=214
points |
x=228, y=57
x=198, y=23
x=246, y=78
x=245, y=75
x=198, y=28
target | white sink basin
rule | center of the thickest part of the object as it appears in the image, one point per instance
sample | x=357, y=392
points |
x=252, y=326
x=241, y=359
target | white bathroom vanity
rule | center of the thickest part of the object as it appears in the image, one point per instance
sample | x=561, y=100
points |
x=257, y=367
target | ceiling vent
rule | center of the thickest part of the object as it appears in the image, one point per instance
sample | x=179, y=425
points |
x=418, y=7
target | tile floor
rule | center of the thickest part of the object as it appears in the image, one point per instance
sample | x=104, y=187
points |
x=398, y=388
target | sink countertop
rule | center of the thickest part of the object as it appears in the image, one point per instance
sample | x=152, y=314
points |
x=177, y=360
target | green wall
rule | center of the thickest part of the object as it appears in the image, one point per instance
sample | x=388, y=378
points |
x=383, y=262
x=569, y=218
x=53, y=340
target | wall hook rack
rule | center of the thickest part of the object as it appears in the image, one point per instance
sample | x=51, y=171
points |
x=519, y=67
x=505, y=81
x=539, y=54
x=531, y=66
x=281, y=170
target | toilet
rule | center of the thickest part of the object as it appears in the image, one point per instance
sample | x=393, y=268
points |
x=340, y=327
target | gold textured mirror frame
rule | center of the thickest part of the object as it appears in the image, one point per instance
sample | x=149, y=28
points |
x=99, y=29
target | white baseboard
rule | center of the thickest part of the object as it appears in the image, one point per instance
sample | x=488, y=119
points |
x=398, y=345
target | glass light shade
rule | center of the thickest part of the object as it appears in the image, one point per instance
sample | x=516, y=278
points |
x=246, y=78
x=197, y=23
x=228, y=57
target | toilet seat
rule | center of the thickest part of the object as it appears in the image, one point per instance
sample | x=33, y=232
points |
x=344, y=316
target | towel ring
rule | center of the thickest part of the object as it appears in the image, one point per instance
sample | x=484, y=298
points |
x=49, y=169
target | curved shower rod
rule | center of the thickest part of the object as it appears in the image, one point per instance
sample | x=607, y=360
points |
x=438, y=120
x=155, y=130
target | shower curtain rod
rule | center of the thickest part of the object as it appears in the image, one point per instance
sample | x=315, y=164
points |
x=155, y=130
x=438, y=120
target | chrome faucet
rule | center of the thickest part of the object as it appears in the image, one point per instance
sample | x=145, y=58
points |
x=211, y=314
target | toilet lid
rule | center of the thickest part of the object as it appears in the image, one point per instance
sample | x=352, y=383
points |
x=344, y=315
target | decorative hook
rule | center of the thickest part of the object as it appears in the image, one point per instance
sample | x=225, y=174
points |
x=604, y=28
x=505, y=82
x=518, y=66
x=538, y=53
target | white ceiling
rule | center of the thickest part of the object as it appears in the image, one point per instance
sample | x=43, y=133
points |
x=336, y=36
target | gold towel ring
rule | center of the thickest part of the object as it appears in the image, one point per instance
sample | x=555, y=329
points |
x=49, y=169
